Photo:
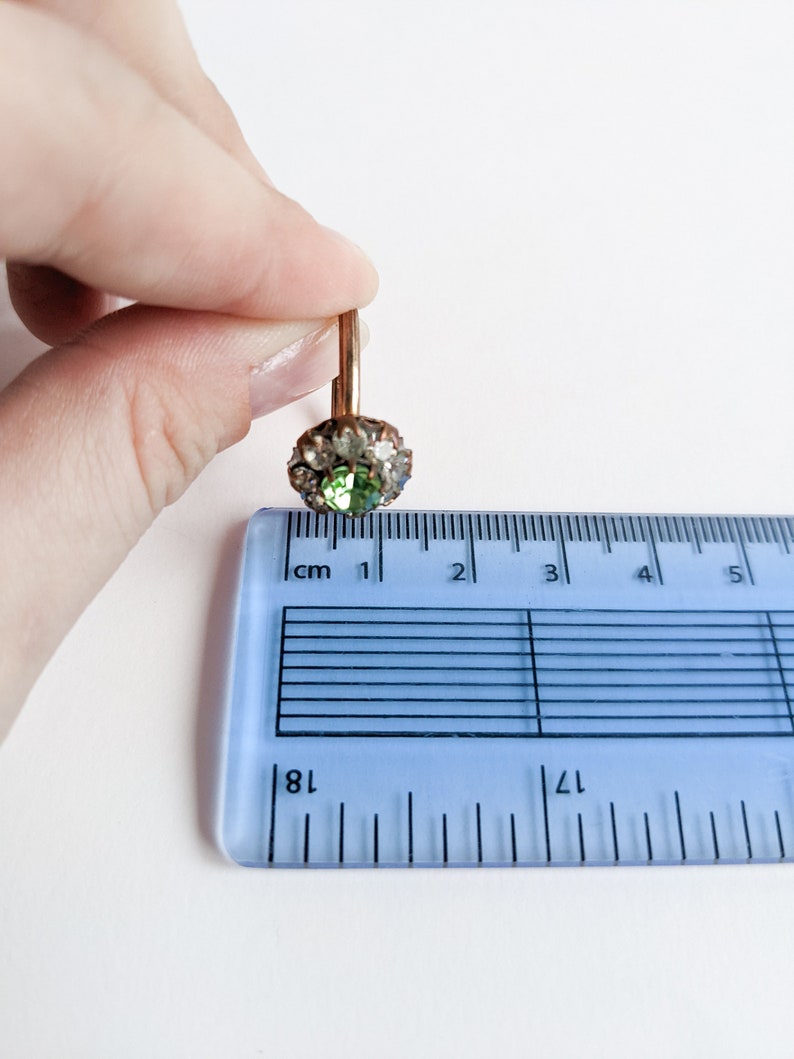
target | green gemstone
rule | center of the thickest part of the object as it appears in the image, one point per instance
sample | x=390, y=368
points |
x=353, y=492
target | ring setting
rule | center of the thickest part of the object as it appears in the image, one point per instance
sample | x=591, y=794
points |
x=349, y=463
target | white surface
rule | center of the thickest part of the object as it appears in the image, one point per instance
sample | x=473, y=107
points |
x=584, y=221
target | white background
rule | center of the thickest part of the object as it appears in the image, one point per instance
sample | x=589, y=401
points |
x=583, y=216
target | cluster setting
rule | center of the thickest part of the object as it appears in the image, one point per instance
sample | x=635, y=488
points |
x=350, y=464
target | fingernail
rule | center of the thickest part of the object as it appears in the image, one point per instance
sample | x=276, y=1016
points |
x=297, y=370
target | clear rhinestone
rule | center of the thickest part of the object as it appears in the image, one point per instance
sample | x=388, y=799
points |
x=315, y=450
x=303, y=479
x=380, y=451
x=348, y=444
x=315, y=501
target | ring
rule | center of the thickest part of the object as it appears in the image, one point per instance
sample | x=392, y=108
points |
x=349, y=463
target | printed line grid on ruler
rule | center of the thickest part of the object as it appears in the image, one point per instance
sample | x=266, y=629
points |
x=511, y=689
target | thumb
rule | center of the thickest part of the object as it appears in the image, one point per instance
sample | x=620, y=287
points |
x=97, y=436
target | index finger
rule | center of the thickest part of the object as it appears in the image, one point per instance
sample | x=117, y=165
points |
x=135, y=200
x=150, y=37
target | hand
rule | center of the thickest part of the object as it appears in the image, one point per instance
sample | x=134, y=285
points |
x=124, y=174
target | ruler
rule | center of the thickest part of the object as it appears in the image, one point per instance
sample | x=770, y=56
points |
x=511, y=689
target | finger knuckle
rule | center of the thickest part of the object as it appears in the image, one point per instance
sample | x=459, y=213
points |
x=171, y=439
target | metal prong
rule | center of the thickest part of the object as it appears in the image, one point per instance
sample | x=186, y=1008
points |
x=346, y=391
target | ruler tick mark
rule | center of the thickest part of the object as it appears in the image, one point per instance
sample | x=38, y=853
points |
x=714, y=841
x=375, y=851
x=680, y=825
x=695, y=537
x=782, y=531
x=746, y=827
x=781, y=847
x=341, y=833
x=287, y=549
x=472, y=558
x=745, y=557
x=648, y=845
x=445, y=844
x=513, y=837
x=607, y=541
x=271, y=839
x=545, y=813
x=563, y=553
x=655, y=554
x=380, y=550
x=479, y=835
x=306, y=840
x=582, y=857
x=614, y=832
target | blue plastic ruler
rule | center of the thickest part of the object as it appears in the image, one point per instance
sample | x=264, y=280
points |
x=472, y=688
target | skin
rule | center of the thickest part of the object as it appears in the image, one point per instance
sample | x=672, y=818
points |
x=119, y=142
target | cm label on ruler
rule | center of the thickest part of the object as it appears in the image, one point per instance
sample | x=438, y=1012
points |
x=464, y=688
